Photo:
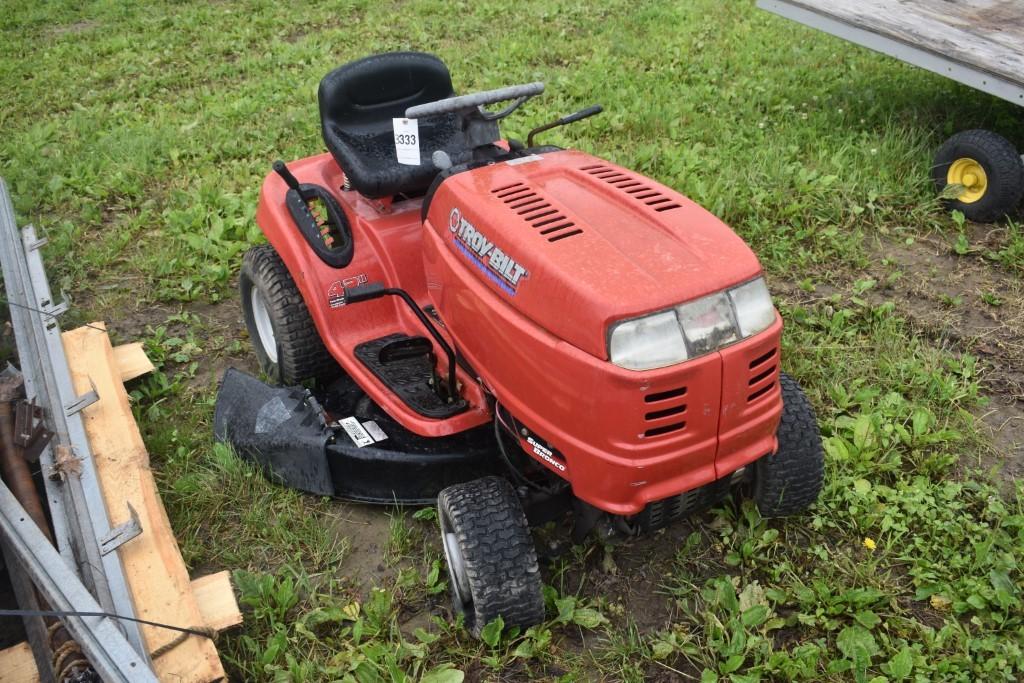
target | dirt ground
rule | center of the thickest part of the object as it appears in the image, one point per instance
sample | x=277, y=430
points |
x=960, y=303
x=945, y=296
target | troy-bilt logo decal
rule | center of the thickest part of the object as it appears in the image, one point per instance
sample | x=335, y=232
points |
x=504, y=270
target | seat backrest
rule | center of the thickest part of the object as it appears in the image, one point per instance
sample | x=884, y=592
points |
x=373, y=90
x=358, y=102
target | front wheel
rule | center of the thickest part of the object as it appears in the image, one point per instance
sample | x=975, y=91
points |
x=492, y=562
x=789, y=480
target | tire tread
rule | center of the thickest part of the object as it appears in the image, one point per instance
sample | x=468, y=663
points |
x=302, y=354
x=1002, y=163
x=789, y=481
x=498, y=552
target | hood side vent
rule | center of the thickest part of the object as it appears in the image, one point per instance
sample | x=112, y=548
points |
x=536, y=211
x=632, y=186
x=666, y=413
x=763, y=372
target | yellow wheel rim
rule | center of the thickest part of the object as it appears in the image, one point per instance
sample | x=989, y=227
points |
x=971, y=176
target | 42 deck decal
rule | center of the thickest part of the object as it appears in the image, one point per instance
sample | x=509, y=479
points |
x=500, y=267
x=336, y=292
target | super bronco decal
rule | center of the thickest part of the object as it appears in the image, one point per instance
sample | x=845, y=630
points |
x=500, y=267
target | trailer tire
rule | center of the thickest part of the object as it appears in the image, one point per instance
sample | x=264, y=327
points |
x=989, y=168
x=287, y=344
x=788, y=481
x=492, y=562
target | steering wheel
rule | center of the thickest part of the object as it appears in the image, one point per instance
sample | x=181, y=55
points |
x=473, y=103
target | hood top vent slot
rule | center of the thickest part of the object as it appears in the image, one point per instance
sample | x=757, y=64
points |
x=632, y=186
x=536, y=211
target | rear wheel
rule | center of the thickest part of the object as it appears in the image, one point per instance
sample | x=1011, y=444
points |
x=789, y=480
x=982, y=171
x=492, y=562
x=283, y=335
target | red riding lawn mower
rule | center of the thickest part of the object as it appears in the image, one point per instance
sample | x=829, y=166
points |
x=515, y=331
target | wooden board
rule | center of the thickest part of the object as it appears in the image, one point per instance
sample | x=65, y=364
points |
x=131, y=361
x=17, y=665
x=985, y=34
x=216, y=599
x=152, y=561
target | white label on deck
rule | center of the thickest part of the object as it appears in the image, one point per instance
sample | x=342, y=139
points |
x=407, y=141
x=356, y=432
x=374, y=430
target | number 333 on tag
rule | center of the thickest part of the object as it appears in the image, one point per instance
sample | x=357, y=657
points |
x=407, y=141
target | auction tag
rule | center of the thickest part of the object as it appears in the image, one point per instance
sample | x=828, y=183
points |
x=356, y=432
x=407, y=141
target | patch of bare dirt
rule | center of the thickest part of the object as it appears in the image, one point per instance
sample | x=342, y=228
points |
x=215, y=327
x=75, y=28
x=222, y=324
x=970, y=306
x=366, y=527
x=975, y=307
x=633, y=575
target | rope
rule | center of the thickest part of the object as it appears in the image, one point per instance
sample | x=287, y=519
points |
x=167, y=647
x=46, y=313
x=195, y=631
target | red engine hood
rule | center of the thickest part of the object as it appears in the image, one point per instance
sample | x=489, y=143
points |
x=576, y=243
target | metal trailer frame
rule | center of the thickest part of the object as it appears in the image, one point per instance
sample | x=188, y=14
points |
x=82, y=530
x=935, y=62
x=110, y=654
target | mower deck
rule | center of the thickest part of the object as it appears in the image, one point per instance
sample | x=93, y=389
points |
x=338, y=442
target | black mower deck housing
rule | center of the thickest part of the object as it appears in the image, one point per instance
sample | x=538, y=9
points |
x=300, y=441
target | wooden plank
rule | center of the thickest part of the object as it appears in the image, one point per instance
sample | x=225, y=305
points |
x=17, y=665
x=985, y=34
x=131, y=361
x=216, y=599
x=152, y=562
x=214, y=595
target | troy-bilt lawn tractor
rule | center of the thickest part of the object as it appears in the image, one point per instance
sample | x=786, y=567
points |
x=516, y=331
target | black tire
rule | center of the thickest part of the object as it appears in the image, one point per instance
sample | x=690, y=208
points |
x=789, y=481
x=1004, y=171
x=300, y=354
x=485, y=522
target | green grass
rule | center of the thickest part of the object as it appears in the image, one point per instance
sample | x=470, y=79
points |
x=137, y=135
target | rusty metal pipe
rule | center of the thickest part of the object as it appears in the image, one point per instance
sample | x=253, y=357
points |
x=13, y=467
x=68, y=661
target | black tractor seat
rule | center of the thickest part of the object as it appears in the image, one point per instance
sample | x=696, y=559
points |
x=357, y=104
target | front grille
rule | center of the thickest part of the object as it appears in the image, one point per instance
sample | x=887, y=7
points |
x=661, y=513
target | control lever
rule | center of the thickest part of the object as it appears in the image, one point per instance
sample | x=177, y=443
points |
x=564, y=121
x=282, y=170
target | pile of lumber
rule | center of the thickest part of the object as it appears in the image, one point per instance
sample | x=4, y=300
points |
x=158, y=580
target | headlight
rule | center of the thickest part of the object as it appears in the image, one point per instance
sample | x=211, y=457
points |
x=646, y=343
x=692, y=329
x=708, y=323
x=753, y=305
